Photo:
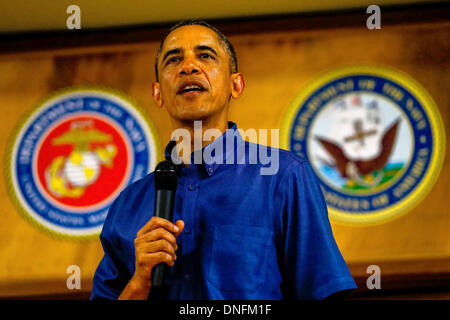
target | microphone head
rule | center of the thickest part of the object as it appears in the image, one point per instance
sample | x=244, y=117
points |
x=166, y=176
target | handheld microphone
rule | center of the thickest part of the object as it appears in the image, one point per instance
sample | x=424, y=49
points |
x=166, y=180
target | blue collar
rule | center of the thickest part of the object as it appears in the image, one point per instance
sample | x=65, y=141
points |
x=227, y=155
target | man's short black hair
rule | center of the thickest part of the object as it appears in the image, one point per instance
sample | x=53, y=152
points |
x=227, y=45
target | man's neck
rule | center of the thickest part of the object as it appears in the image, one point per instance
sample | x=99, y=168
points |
x=196, y=129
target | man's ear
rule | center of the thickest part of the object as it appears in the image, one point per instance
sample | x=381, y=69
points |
x=238, y=85
x=156, y=93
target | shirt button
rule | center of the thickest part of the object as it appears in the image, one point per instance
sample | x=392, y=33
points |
x=191, y=187
x=210, y=170
x=188, y=231
x=187, y=276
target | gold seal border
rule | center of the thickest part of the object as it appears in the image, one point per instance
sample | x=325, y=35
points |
x=437, y=128
x=30, y=113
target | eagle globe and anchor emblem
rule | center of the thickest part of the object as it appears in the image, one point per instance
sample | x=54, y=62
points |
x=70, y=176
x=374, y=138
x=72, y=157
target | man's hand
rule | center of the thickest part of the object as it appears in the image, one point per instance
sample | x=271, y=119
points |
x=155, y=243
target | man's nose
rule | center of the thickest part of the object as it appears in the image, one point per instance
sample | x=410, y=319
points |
x=189, y=67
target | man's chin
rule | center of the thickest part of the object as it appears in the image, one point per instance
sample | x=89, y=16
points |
x=192, y=114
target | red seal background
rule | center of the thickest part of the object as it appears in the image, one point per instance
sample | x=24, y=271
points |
x=109, y=179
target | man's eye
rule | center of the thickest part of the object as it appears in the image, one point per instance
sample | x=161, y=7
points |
x=205, y=56
x=172, y=60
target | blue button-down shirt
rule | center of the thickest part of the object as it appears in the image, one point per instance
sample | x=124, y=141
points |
x=247, y=235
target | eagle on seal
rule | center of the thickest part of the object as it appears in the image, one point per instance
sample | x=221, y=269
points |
x=346, y=166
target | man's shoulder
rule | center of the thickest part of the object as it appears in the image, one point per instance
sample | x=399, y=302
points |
x=286, y=158
x=136, y=188
x=289, y=158
x=129, y=202
x=291, y=165
x=141, y=183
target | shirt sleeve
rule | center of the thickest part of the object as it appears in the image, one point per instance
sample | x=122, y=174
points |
x=109, y=280
x=311, y=264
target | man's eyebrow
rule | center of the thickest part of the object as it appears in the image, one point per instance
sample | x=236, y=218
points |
x=205, y=48
x=172, y=51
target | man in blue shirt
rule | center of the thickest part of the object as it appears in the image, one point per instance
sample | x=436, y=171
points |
x=239, y=233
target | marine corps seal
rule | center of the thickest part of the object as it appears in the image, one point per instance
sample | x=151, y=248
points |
x=72, y=157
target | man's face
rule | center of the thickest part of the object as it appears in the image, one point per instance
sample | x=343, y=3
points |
x=194, y=74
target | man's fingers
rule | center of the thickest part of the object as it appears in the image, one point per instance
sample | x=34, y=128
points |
x=180, y=225
x=158, y=246
x=156, y=258
x=164, y=257
x=158, y=234
x=157, y=222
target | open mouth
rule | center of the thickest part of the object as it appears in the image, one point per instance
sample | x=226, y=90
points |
x=191, y=87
